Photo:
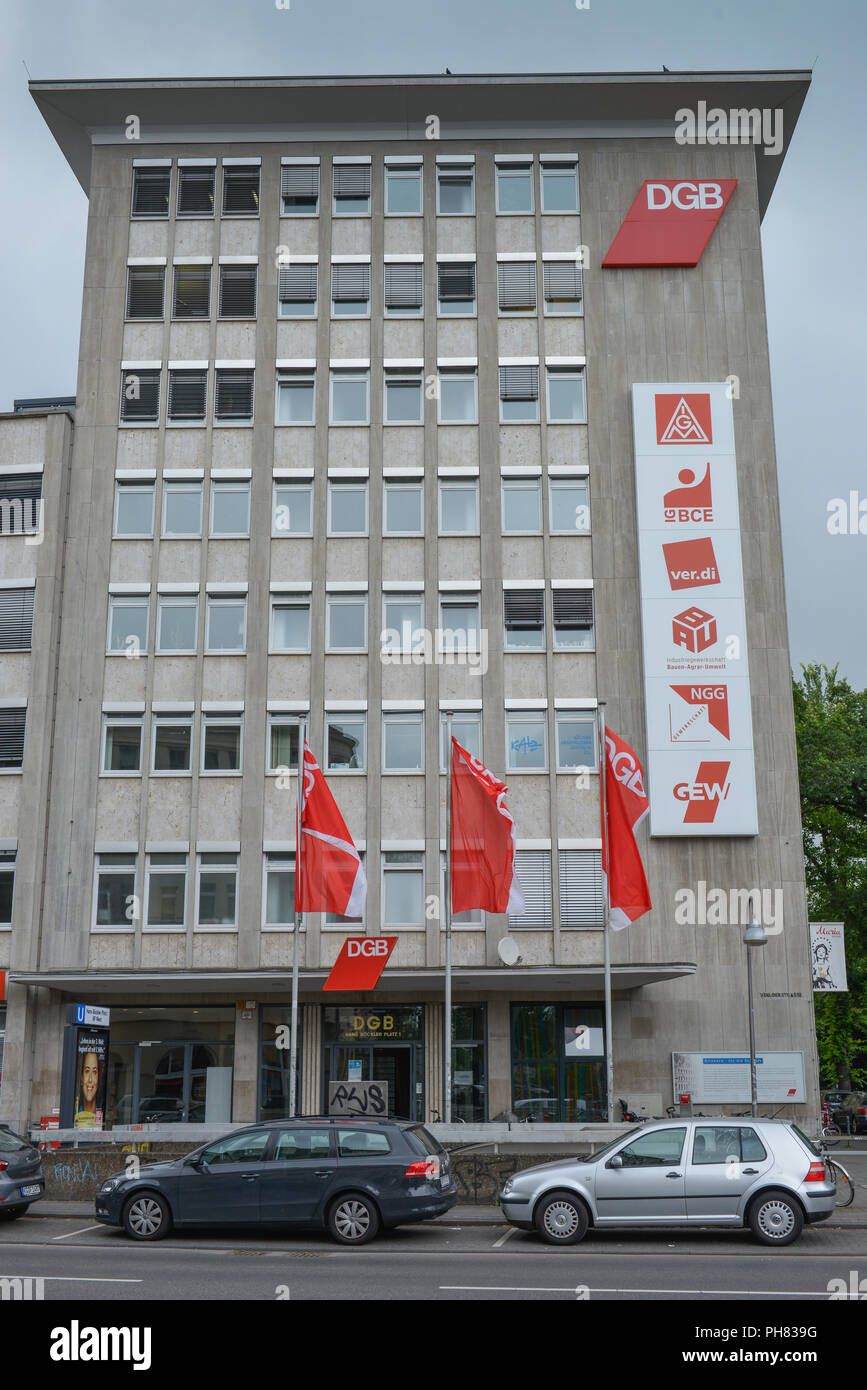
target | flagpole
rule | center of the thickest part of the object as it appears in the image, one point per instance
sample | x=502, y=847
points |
x=606, y=881
x=299, y=916
x=447, y=1007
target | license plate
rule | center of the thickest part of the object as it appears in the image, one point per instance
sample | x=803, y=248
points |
x=33, y=1189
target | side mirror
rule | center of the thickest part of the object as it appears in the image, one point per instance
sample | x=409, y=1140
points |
x=615, y=1162
x=196, y=1162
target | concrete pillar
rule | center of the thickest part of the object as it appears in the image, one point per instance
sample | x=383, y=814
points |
x=499, y=1057
x=245, y=1080
x=433, y=1060
x=312, y=1101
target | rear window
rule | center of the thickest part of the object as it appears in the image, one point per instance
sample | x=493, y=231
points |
x=808, y=1143
x=12, y=1143
x=355, y=1143
x=422, y=1142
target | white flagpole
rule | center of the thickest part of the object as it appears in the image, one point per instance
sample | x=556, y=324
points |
x=609, y=1041
x=447, y=908
x=299, y=917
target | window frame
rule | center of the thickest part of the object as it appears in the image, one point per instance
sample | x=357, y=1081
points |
x=565, y=374
x=180, y=863
x=515, y=167
x=409, y=596
x=116, y=602
x=289, y=377
x=520, y=484
x=186, y=421
x=218, y=601
x=199, y=269
x=233, y=170
x=252, y=270
x=404, y=868
x=182, y=720
x=356, y=314
x=213, y=720
x=468, y=485
x=448, y=174
x=455, y=599
x=143, y=422
x=523, y=647
x=560, y=483
x=404, y=172
x=345, y=716
x=471, y=312
x=126, y=721
x=531, y=717
x=407, y=376
x=212, y=170
x=98, y=870
x=348, y=375
x=234, y=421
x=145, y=270
x=396, y=485
x=460, y=717
x=164, y=169
x=558, y=163
x=335, y=201
x=407, y=717
x=567, y=716
x=282, y=720
x=221, y=870
x=347, y=485
x=291, y=484
x=171, y=486
x=220, y=486
x=276, y=862
x=345, y=599
x=289, y=600
x=176, y=600
x=458, y=374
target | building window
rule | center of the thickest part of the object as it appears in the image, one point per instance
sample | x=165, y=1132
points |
x=559, y=186
x=455, y=193
x=114, y=898
x=293, y=509
x=346, y=622
x=458, y=403
x=515, y=187
x=13, y=719
x=555, y=1078
x=456, y=288
x=177, y=623
x=467, y=729
x=403, y=190
x=7, y=897
x=233, y=397
x=403, y=397
x=230, y=508
x=524, y=619
x=522, y=506
x=196, y=190
x=403, y=888
x=121, y=744
x=403, y=742
x=469, y=1067
x=241, y=190
x=238, y=291
x=404, y=289
x=188, y=397
x=226, y=623
x=459, y=506
x=563, y=284
x=350, y=290
x=279, y=890
x=150, y=191
x=290, y=624
x=20, y=504
x=217, y=890
x=299, y=190
x=192, y=292
x=582, y=902
x=166, y=890
x=526, y=740
x=171, y=743
x=16, y=618
x=296, y=393
x=140, y=397
x=221, y=743
x=573, y=619
x=566, y=398
x=297, y=290
x=402, y=622
x=403, y=507
x=519, y=394
x=533, y=872
x=460, y=626
x=145, y=291
x=282, y=743
x=516, y=287
x=351, y=189
x=570, y=505
x=128, y=624
x=576, y=739
x=346, y=742
x=350, y=397
x=347, y=508
x=182, y=509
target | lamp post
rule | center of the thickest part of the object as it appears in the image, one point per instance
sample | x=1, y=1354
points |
x=754, y=935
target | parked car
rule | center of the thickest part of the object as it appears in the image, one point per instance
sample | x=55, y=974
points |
x=21, y=1180
x=851, y=1114
x=349, y=1176
x=764, y=1174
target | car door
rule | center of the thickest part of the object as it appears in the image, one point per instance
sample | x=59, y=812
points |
x=298, y=1175
x=648, y=1189
x=223, y=1187
x=724, y=1163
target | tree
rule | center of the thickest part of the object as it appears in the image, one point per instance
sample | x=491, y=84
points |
x=831, y=731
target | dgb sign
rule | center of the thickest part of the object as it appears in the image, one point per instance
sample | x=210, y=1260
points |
x=360, y=963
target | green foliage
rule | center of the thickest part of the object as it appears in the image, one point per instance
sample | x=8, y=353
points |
x=831, y=730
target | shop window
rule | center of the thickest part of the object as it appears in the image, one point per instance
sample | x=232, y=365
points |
x=558, y=1063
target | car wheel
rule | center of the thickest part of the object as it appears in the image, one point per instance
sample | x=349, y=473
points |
x=146, y=1216
x=776, y=1218
x=10, y=1213
x=353, y=1219
x=561, y=1219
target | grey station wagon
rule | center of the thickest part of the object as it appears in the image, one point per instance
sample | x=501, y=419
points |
x=351, y=1176
x=764, y=1174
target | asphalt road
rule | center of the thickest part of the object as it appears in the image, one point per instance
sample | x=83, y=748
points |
x=434, y=1262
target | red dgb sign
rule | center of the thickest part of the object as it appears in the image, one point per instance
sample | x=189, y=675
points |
x=670, y=222
x=361, y=961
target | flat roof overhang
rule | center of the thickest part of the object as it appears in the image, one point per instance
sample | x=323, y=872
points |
x=493, y=106
x=561, y=979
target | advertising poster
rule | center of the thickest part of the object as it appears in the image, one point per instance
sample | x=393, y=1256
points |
x=91, y=1054
x=828, y=957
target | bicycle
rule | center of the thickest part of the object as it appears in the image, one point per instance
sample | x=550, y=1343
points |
x=841, y=1179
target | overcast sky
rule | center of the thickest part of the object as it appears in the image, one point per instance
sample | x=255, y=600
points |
x=813, y=232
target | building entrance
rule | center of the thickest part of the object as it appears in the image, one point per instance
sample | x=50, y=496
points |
x=384, y=1045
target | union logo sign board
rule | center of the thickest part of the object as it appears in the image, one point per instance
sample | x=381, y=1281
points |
x=670, y=223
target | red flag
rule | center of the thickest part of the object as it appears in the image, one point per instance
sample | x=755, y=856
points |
x=329, y=876
x=483, y=839
x=628, y=894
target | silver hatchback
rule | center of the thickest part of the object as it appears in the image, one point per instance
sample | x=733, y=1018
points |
x=764, y=1174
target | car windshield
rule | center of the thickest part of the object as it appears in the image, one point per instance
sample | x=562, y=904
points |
x=12, y=1143
x=603, y=1152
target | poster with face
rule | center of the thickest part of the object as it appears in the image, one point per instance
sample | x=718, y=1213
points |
x=828, y=956
x=91, y=1053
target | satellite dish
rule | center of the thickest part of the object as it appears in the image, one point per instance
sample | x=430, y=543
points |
x=508, y=951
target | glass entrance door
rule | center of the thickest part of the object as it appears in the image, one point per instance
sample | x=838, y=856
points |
x=393, y=1063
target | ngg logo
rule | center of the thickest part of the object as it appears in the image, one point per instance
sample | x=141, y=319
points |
x=703, y=796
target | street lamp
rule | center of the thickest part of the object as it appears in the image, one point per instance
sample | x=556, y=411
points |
x=755, y=935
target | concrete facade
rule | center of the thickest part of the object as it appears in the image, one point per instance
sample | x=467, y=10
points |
x=676, y=987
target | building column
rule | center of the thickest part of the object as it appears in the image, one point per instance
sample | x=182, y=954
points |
x=245, y=1078
x=499, y=1057
x=15, y=1107
x=311, y=1061
x=433, y=1060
